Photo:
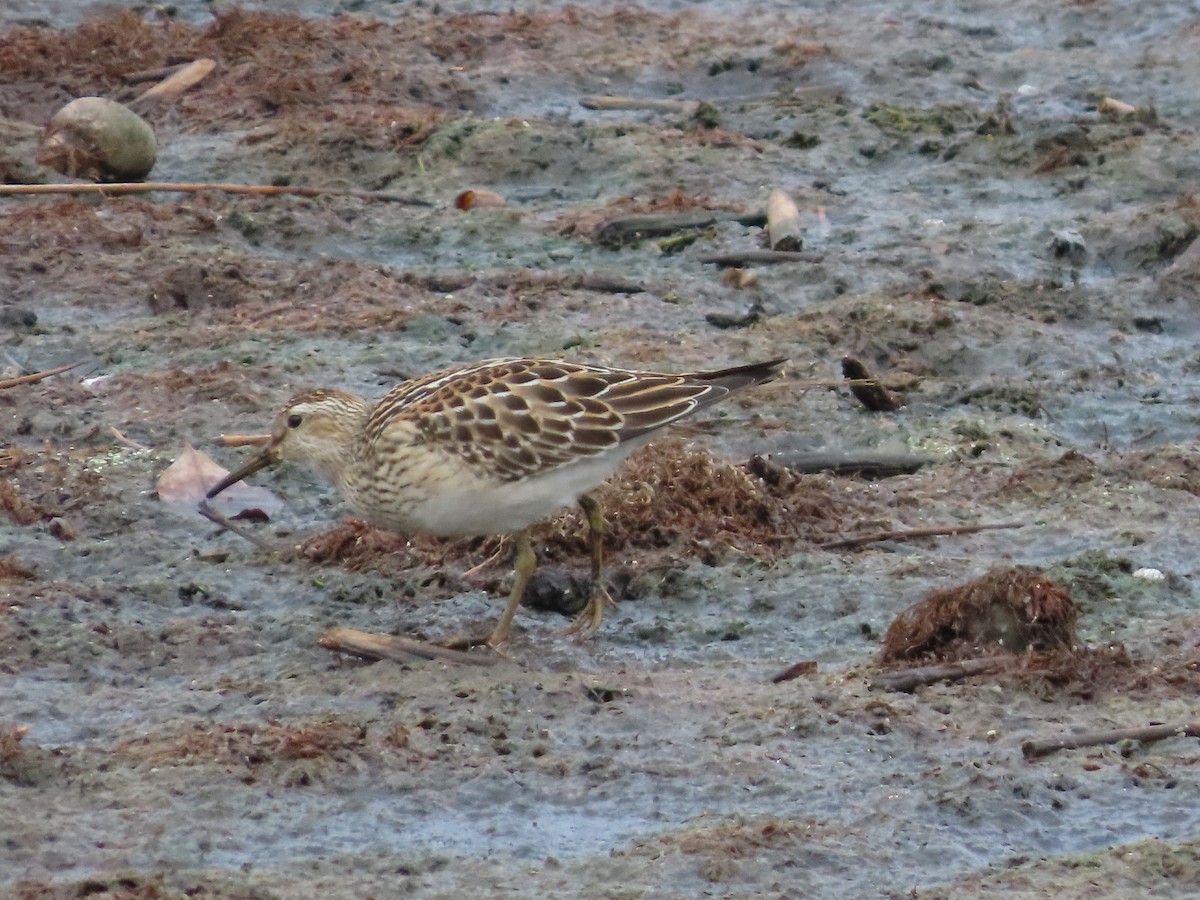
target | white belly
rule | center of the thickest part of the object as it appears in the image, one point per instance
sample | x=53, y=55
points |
x=465, y=505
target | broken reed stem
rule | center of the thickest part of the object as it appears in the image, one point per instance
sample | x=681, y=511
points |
x=783, y=222
x=145, y=187
x=682, y=107
x=804, y=667
x=218, y=519
x=868, y=390
x=866, y=465
x=178, y=81
x=125, y=440
x=907, y=679
x=1034, y=749
x=634, y=227
x=810, y=93
x=909, y=534
x=35, y=377
x=740, y=258
x=367, y=645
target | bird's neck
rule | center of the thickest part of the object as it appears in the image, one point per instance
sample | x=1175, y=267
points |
x=339, y=455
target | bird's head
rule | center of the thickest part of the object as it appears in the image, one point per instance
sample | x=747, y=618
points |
x=316, y=430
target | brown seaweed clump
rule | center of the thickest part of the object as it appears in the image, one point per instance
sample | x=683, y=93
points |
x=47, y=487
x=420, y=564
x=677, y=500
x=12, y=568
x=1009, y=610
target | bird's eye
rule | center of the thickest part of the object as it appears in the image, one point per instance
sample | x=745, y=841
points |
x=294, y=420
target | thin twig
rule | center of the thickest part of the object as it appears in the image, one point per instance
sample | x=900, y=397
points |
x=36, y=376
x=128, y=442
x=741, y=258
x=687, y=107
x=681, y=107
x=1138, y=438
x=805, y=667
x=910, y=533
x=501, y=551
x=145, y=187
x=177, y=82
x=367, y=645
x=220, y=519
x=1034, y=749
x=634, y=227
x=867, y=464
x=907, y=679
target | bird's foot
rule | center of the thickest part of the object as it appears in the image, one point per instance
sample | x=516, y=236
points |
x=588, y=621
x=468, y=641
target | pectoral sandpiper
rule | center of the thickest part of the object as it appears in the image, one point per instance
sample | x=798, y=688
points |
x=490, y=448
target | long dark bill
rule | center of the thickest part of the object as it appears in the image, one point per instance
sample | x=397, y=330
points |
x=258, y=461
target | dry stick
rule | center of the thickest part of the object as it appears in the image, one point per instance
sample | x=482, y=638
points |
x=741, y=258
x=685, y=107
x=127, y=441
x=908, y=534
x=178, y=81
x=1115, y=107
x=783, y=222
x=145, y=187
x=1034, y=749
x=806, y=667
x=639, y=226
x=601, y=284
x=908, y=679
x=869, y=392
x=366, y=645
x=588, y=281
x=36, y=376
x=867, y=464
x=219, y=519
x=449, y=282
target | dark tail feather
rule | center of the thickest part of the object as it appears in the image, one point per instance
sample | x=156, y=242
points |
x=743, y=376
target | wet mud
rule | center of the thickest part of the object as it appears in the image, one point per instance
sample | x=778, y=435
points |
x=1009, y=253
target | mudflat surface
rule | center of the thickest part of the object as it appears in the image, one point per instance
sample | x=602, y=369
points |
x=1018, y=263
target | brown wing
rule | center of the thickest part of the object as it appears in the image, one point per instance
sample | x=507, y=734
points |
x=524, y=416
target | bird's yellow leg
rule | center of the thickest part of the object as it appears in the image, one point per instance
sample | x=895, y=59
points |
x=588, y=621
x=525, y=564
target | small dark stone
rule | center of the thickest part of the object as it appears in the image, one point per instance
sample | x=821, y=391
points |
x=1150, y=324
x=735, y=320
x=801, y=140
x=1066, y=243
x=18, y=317
x=557, y=590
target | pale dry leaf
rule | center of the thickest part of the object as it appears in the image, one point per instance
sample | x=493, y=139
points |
x=188, y=479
